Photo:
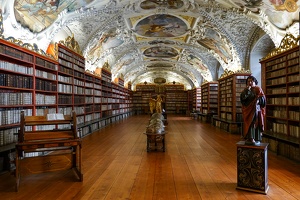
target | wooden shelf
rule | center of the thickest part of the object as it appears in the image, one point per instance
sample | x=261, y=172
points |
x=209, y=100
x=281, y=83
x=45, y=85
x=229, y=106
x=175, y=98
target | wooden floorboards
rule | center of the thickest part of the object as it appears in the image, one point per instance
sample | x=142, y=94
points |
x=199, y=163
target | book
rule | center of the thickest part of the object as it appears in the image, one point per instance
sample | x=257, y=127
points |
x=55, y=116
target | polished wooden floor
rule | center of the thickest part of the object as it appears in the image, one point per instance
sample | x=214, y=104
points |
x=199, y=163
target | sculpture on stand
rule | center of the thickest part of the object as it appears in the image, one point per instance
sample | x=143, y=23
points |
x=253, y=110
x=156, y=104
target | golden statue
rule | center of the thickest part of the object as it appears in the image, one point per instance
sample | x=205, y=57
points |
x=156, y=104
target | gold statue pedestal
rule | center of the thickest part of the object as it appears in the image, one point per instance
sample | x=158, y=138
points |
x=252, y=167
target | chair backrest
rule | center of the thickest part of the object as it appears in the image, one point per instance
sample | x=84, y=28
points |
x=57, y=133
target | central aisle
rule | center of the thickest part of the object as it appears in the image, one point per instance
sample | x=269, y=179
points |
x=199, y=163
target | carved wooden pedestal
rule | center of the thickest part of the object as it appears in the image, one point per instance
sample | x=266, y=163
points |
x=252, y=167
x=156, y=142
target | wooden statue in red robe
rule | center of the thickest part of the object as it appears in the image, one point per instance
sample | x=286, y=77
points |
x=253, y=110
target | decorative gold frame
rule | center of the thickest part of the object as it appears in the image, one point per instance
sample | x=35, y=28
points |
x=288, y=42
x=230, y=72
x=72, y=44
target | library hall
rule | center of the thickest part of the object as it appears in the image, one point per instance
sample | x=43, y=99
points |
x=149, y=99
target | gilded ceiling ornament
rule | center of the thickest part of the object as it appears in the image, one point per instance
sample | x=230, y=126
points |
x=135, y=19
x=289, y=5
x=1, y=25
x=204, y=82
x=106, y=66
x=72, y=44
x=227, y=72
x=230, y=72
x=243, y=71
x=288, y=42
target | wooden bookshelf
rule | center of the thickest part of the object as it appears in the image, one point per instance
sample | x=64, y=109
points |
x=106, y=106
x=40, y=85
x=175, y=98
x=72, y=82
x=89, y=104
x=65, y=81
x=141, y=97
x=209, y=101
x=281, y=84
x=229, y=116
x=190, y=100
x=176, y=101
x=197, y=99
x=28, y=82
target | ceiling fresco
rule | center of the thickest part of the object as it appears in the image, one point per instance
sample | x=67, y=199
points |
x=198, y=64
x=161, y=52
x=153, y=4
x=189, y=42
x=161, y=26
x=213, y=42
x=37, y=15
x=160, y=65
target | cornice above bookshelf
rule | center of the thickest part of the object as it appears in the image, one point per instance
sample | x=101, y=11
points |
x=287, y=43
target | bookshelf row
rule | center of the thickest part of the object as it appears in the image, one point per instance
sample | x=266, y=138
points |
x=40, y=85
x=282, y=78
x=174, y=98
x=281, y=83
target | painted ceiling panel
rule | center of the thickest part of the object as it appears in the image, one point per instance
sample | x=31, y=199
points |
x=188, y=41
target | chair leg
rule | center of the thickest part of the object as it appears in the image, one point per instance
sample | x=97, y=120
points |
x=17, y=172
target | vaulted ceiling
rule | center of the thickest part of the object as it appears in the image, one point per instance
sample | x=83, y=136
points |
x=186, y=41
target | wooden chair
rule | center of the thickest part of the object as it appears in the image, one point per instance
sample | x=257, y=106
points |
x=57, y=149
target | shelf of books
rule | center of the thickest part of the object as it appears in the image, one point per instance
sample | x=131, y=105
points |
x=209, y=101
x=229, y=116
x=27, y=83
x=90, y=115
x=120, y=101
x=39, y=84
x=176, y=99
x=190, y=100
x=72, y=82
x=197, y=99
x=141, y=97
x=281, y=75
x=106, y=102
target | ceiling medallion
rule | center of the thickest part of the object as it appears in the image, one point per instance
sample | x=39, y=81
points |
x=160, y=65
x=159, y=80
x=290, y=5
